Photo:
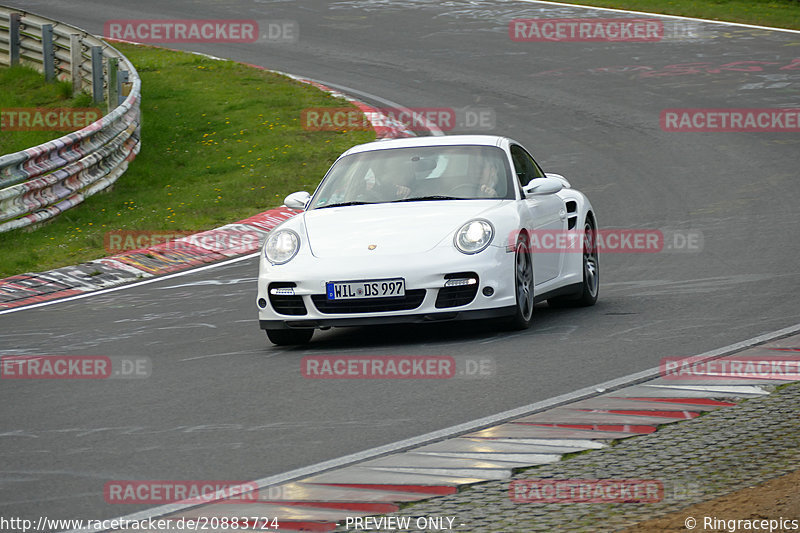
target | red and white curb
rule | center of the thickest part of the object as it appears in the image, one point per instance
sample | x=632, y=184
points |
x=632, y=406
x=181, y=254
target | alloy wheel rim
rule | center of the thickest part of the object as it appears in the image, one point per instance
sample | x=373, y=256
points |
x=524, y=279
x=590, y=263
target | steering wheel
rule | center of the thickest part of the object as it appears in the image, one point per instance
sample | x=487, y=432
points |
x=464, y=189
x=370, y=195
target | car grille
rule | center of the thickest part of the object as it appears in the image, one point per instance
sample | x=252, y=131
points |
x=284, y=304
x=455, y=296
x=411, y=300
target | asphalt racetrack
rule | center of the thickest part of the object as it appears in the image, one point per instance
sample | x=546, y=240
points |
x=224, y=404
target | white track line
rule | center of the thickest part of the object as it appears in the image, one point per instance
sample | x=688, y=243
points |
x=130, y=285
x=435, y=131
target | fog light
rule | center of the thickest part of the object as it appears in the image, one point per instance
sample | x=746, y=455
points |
x=488, y=291
x=460, y=282
x=282, y=291
x=262, y=303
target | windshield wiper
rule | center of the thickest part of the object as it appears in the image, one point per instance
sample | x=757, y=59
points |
x=344, y=204
x=427, y=198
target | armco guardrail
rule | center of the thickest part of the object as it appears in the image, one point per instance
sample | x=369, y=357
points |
x=40, y=182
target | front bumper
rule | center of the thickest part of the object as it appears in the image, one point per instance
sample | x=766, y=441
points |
x=425, y=273
x=439, y=316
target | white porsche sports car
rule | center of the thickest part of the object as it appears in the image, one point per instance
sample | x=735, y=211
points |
x=427, y=229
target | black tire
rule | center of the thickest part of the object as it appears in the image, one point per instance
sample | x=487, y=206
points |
x=590, y=288
x=523, y=285
x=286, y=337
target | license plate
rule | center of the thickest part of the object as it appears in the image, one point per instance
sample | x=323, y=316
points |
x=377, y=288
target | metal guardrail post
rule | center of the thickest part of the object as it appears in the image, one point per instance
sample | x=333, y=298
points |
x=48, y=53
x=75, y=60
x=122, y=83
x=97, y=74
x=13, y=38
x=113, y=90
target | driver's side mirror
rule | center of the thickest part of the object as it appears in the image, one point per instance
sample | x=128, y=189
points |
x=297, y=200
x=542, y=186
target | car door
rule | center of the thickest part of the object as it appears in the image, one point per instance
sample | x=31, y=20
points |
x=548, y=219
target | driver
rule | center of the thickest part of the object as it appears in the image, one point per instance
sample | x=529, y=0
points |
x=392, y=184
x=489, y=179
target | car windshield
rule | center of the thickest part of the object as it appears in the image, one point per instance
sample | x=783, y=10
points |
x=427, y=173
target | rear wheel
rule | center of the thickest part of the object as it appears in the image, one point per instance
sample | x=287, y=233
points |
x=523, y=283
x=286, y=337
x=591, y=273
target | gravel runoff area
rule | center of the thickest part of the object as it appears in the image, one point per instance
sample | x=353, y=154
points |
x=695, y=461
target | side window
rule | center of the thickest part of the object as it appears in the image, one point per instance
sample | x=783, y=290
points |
x=535, y=168
x=520, y=168
x=525, y=167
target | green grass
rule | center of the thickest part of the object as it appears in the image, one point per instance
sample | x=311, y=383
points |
x=220, y=142
x=775, y=13
x=25, y=87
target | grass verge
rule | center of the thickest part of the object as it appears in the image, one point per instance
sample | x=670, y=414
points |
x=24, y=87
x=773, y=13
x=220, y=142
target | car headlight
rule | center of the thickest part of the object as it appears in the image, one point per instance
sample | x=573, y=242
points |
x=474, y=236
x=281, y=246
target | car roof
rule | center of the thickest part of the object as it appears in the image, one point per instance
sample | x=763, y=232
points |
x=444, y=140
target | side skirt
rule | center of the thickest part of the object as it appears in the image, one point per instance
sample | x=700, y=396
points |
x=568, y=290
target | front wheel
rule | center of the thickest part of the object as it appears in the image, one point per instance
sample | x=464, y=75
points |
x=523, y=283
x=287, y=337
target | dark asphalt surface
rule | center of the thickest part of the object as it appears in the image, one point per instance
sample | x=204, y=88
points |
x=223, y=404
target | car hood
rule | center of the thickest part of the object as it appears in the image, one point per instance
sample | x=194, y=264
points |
x=393, y=229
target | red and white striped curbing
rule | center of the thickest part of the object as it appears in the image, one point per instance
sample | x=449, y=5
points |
x=126, y=267
x=378, y=486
